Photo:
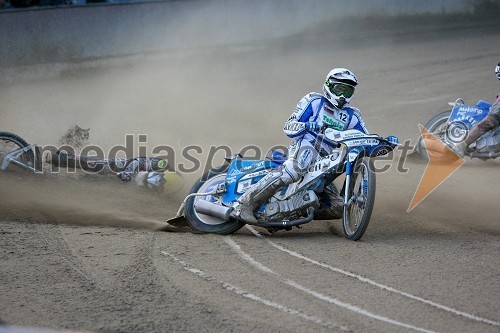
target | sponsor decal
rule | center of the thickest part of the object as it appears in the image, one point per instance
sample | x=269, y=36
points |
x=360, y=142
x=230, y=179
x=324, y=163
x=294, y=127
x=463, y=119
x=334, y=124
x=233, y=172
x=470, y=110
x=351, y=134
x=243, y=186
x=254, y=175
x=251, y=167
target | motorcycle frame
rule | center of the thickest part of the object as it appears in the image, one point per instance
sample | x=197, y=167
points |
x=13, y=156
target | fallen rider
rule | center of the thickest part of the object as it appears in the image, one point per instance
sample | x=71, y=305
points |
x=155, y=173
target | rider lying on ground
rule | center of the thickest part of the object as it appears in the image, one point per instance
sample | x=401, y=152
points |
x=152, y=172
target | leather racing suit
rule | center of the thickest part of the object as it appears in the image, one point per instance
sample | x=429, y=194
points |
x=487, y=124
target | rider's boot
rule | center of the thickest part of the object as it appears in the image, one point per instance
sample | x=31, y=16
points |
x=485, y=125
x=259, y=193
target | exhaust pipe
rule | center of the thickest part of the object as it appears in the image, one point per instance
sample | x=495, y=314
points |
x=209, y=208
x=487, y=155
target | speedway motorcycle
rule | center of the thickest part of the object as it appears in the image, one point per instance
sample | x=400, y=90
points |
x=452, y=127
x=314, y=197
x=16, y=152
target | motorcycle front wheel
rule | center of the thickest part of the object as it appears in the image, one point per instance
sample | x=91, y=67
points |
x=361, y=194
x=204, y=223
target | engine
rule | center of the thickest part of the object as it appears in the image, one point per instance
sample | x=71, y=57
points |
x=490, y=142
x=291, y=208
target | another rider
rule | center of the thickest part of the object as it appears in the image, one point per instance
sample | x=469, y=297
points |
x=487, y=124
x=312, y=113
x=149, y=171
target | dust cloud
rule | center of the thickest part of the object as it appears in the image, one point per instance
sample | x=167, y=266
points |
x=87, y=201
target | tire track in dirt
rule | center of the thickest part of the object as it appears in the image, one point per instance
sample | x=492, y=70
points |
x=223, y=270
x=52, y=236
x=210, y=255
x=137, y=294
x=241, y=292
x=374, y=283
x=246, y=257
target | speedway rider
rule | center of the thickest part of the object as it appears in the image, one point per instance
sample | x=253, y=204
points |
x=313, y=112
x=487, y=124
x=149, y=171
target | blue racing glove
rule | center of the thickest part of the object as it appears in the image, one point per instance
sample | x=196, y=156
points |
x=393, y=139
x=313, y=127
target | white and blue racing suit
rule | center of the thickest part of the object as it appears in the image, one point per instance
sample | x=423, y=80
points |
x=311, y=113
x=314, y=111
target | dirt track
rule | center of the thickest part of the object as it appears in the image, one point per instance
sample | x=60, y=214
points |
x=434, y=269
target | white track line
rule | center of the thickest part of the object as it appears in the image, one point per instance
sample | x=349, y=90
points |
x=256, y=298
x=245, y=256
x=374, y=283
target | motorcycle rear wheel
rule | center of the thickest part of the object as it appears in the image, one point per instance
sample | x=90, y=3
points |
x=204, y=223
x=10, y=142
x=358, y=211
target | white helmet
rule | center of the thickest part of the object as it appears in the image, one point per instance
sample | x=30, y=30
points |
x=497, y=71
x=339, y=86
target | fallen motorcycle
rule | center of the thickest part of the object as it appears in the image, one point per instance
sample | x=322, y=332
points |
x=452, y=127
x=208, y=207
x=16, y=152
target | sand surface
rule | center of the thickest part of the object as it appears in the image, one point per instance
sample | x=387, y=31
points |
x=84, y=254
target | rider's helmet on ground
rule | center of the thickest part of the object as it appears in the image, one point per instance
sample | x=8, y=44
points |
x=339, y=86
x=497, y=71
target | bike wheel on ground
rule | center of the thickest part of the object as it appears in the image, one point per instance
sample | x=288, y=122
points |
x=358, y=211
x=10, y=142
x=205, y=223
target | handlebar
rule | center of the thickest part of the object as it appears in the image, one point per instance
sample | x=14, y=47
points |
x=371, y=144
